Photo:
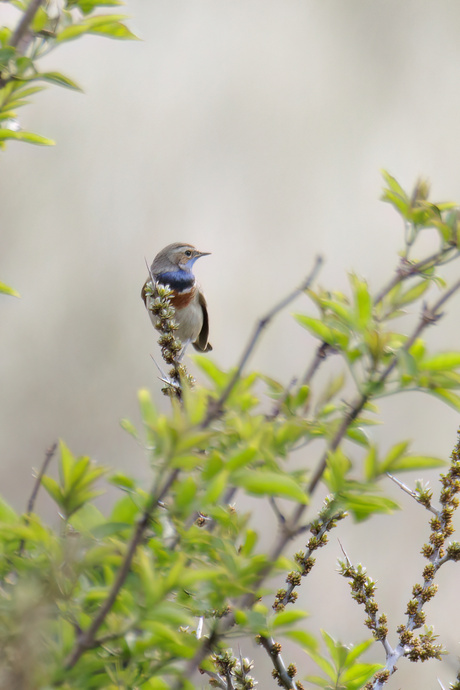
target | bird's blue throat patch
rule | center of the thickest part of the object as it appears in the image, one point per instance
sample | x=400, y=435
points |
x=177, y=280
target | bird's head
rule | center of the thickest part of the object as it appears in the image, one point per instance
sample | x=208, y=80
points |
x=176, y=256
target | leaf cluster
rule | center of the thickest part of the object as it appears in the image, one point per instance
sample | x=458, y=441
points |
x=42, y=27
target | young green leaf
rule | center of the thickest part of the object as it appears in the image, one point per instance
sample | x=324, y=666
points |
x=7, y=290
x=262, y=483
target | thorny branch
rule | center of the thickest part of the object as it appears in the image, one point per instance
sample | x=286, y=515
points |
x=424, y=646
x=282, y=674
x=414, y=495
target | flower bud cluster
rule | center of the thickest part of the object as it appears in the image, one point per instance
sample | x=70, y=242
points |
x=304, y=559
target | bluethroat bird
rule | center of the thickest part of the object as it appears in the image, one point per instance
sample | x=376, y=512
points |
x=173, y=267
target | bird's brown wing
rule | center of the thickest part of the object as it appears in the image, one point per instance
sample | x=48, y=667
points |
x=201, y=343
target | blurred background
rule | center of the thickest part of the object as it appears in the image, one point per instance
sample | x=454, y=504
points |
x=255, y=131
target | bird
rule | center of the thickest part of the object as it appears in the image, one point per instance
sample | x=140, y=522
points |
x=173, y=267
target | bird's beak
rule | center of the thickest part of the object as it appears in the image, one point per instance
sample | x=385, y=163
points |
x=203, y=254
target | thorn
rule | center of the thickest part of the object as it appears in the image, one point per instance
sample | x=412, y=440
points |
x=344, y=552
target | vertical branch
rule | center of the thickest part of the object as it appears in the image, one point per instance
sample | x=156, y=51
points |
x=38, y=480
x=26, y=20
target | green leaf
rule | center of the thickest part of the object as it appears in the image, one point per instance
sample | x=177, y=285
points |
x=122, y=481
x=40, y=20
x=241, y=458
x=249, y=542
x=303, y=639
x=7, y=513
x=104, y=24
x=59, y=79
x=363, y=301
x=216, y=487
x=371, y=463
x=321, y=331
x=71, y=32
x=358, y=436
x=185, y=492
x=413, y=293
x=320, y=682
x=148, y=410
x=394, y=185
x=286, y=618
x=6, y=54
x=212, y=371
x=29, y=137
x=262, y=483
x=355, y=677
x=363, y=507
x=67, y=461
x=357, y=650
x=53, y=489
x=338, y=465
x=338, y=652
x=6, y=290
x=447, y=396
x=108, y=529
x=415, y=462
x=406, y=363
x=443, y=361
x=88, y=6
x=126, y=425
x=393, y=455
x=115, y=30
x=125, y=510
x=324, y=665
x=339, y=309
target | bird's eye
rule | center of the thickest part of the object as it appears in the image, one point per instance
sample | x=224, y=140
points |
x=188, y=252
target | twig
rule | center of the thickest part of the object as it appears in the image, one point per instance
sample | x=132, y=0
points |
x=279, y=515
x=363, y=590
x=323, y=350
x=216, y=407
x=407, y=270
x=218, y=681
x=413, y=494
x=283, y=677
x=38, y=480
x=86, y=639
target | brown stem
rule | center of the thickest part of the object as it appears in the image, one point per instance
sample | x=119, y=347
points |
x=38, y=480
x=25, y=22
